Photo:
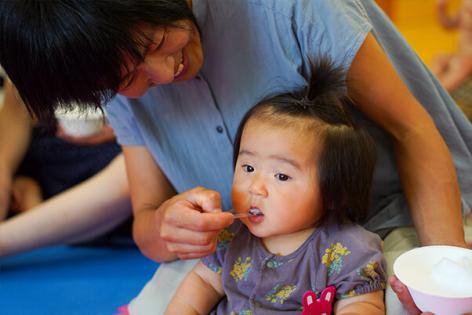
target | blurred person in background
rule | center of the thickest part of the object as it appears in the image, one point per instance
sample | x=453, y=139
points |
x=454, y=71
x=37, y=163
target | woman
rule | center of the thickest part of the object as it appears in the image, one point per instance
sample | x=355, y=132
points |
x=178, y=135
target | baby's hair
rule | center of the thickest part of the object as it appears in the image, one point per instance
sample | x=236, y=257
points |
x=347, y=156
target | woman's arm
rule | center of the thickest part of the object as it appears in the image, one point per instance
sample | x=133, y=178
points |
x=365, y=304
x=426, y=169
x=15, y=133
x=198, y=293
x=184, y=226
x=80, y=213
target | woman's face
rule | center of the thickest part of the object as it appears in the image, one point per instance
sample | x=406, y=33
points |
x=174, y=54
x=276, y=175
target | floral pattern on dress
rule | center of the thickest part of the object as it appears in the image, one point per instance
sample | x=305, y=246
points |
x=241, y=269
x=215, y=268
x=350, y=293
x=369, y=273
x=224, y=239
x=243, y=312
x=280, y=293
x=334, y=258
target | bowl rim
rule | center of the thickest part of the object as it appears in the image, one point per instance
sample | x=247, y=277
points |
x=410, y=252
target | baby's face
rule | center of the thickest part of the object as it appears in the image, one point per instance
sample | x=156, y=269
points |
x=276, y=176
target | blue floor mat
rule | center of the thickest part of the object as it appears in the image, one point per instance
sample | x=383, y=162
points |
x=72, y=280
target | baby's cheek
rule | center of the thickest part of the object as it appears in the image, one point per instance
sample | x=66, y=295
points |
x=240, y=201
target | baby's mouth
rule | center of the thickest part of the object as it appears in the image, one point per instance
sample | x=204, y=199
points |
x=255, y=212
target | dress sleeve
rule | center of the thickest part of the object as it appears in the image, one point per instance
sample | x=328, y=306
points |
x=355, y=264
x=216, y=260
x=123, y=122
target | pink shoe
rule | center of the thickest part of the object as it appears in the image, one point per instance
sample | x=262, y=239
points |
x=123, y=310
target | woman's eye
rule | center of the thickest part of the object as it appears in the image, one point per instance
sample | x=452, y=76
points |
x=128, y=78
x=153, y=46
x=163, y=40
x=282, y=177
x=248, y=168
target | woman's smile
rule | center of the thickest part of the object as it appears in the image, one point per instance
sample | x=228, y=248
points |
x=177, y=56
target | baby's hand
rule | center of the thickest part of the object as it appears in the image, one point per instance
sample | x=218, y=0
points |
x=442, y=3
x=445, y=18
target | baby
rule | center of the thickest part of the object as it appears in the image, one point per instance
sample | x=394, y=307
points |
x=302, y=177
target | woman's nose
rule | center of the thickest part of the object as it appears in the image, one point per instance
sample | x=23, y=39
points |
x=258, y=187
x=159, y=69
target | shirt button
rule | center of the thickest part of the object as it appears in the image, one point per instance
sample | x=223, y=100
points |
x=219, y=129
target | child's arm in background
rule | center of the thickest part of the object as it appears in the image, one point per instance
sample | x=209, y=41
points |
x=365, y=304
x=447, y=21
x=198, y=293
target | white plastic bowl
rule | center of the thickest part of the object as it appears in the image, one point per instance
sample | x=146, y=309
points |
x=80, y=123
x=446, y=296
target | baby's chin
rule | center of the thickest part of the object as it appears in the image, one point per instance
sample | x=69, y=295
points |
x=258, y=229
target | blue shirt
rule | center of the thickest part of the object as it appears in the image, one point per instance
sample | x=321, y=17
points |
x=255, y=49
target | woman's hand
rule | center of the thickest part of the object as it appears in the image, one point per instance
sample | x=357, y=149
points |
x=168, y=226
x=191, y=221
x=404, y=296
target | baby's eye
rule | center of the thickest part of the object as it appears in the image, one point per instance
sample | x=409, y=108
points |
x=282, y=177
x=248, y=168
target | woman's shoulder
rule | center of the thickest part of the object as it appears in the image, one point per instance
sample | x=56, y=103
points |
x=294, y=9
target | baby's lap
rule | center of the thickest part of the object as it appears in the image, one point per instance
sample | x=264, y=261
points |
x=159, y=290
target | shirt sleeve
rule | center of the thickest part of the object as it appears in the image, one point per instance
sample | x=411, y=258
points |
x=216, y=260
x=355, y=264
x=122, y=120
x=335, y=29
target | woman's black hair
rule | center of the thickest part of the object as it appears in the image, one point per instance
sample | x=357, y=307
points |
x=347, y=157
x=72, y=51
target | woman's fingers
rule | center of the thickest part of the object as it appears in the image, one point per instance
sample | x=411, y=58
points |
x=191, y=222
x=195, y=220
x=203, y=199
x=404, y=296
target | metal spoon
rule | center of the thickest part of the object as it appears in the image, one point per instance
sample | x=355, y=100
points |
x=245, y=214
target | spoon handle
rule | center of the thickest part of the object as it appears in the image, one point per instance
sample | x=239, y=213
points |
x=241, y=215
